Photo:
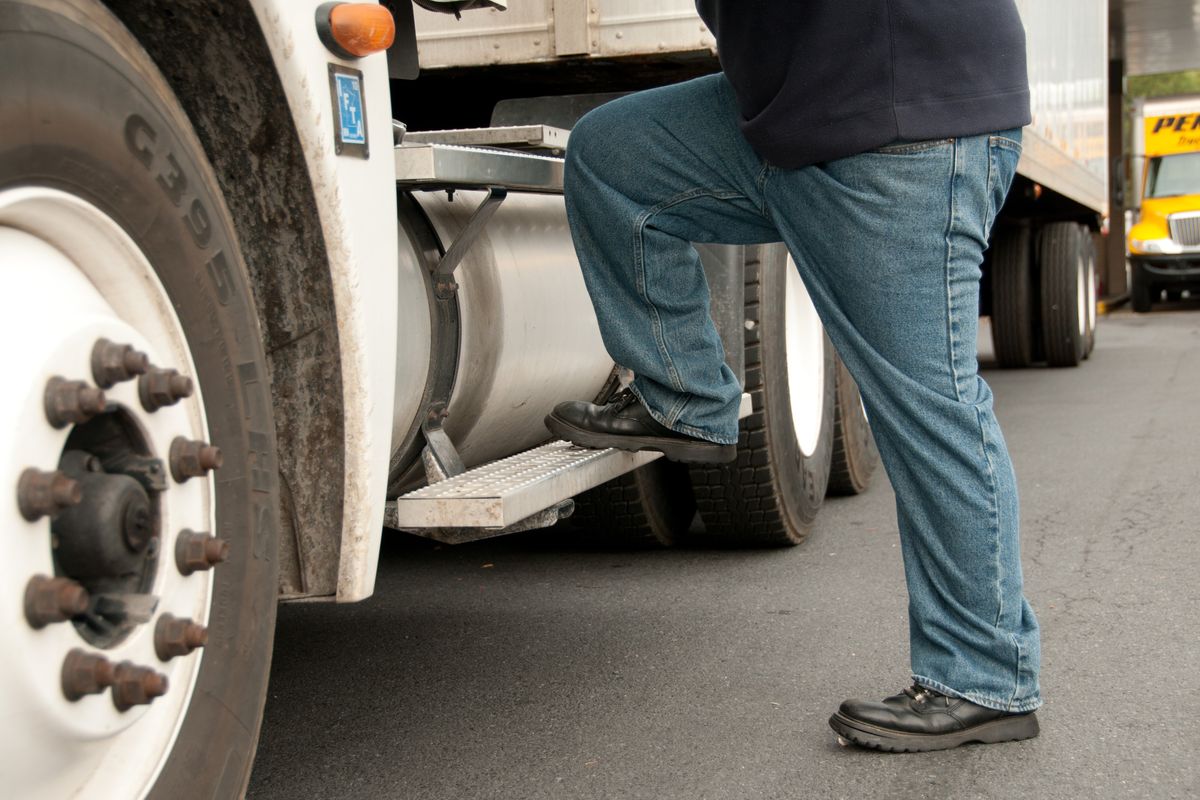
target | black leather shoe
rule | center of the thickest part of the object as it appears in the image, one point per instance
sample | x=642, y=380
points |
x=624, y=423
x=920, y=719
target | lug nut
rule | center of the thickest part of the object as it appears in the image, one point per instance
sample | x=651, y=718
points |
x=177, y=637
x=113, y=363
x=69, y=402
x=85, y=673
x=193, y=459
x=41, y=494
x=136, y=686
x=199, y=551
x=163, y=387
x=50, y=600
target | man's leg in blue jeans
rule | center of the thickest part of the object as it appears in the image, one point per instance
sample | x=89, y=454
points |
x=647, y=175
x=889, y=246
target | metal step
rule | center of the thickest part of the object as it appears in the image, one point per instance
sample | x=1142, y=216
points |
x=501, y=494
x=504, y=492
x=520, y=137
x=446, y=166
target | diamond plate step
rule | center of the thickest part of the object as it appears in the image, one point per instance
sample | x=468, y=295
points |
x=504, y=492
x=507, y=491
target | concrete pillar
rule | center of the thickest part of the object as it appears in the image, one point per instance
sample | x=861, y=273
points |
x=1113, y=274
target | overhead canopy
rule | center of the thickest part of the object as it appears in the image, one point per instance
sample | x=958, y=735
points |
x=1160, y=35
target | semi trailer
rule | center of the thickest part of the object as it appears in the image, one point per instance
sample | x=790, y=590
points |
x=271, y=291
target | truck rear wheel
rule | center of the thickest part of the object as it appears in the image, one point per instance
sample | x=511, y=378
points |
x=1012, y=296
x=770, y=496
x=146, y=672
x=1061, y=255
x=652, y=506
x=854, y=455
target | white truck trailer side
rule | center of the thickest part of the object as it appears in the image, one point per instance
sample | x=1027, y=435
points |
x=249, y=328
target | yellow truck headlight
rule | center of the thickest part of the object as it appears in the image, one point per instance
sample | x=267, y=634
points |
x=1160, y=246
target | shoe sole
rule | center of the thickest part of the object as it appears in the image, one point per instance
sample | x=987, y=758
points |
x=673, y=449
x=864, y=734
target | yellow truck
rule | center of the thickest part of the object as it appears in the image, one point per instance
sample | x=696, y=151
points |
x=1164, y=245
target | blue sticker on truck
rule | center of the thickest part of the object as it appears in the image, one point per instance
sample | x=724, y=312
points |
x=350, y=109
x=349, y=118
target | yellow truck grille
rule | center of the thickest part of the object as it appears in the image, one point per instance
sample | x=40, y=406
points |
x=1185, y=228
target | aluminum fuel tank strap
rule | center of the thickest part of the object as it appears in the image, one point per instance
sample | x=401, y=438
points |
x=445, y=166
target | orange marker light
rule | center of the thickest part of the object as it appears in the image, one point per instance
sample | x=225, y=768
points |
x=354, y=30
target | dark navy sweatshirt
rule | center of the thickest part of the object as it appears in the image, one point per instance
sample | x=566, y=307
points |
x=818, y=80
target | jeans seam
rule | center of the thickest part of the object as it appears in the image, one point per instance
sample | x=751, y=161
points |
x=640, y=268
x=761, y=183
x=677, y=426
x=1016, y=669
x=677, y=410
x=994, y=516
x=1006, y=143
x=950, y=228
x=993, y=173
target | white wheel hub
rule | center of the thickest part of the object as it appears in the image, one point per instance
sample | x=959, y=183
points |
x=72, y=277
x=805, y=342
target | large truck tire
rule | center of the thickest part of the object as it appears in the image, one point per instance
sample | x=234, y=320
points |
x=653, y=506
x=1062, y=254
x=854, y=455
x=112, y=226
x=1013, y=296
x=770, y=496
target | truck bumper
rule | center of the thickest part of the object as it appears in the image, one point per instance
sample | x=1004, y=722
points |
x=1168, y=272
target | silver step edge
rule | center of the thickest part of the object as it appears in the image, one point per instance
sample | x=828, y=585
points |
x=544, y=137
x=445, y=166
x=504, y=492
x=507, y=491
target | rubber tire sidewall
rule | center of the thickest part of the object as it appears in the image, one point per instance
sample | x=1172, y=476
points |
x=1012, y=296
x=1142, y=293
x=770, y=496
x=650, y=507
x=65, y=104
x=1093, y=318
x=1060, y=256
x=854, y=457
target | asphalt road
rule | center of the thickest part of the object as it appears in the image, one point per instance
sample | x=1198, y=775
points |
x=521, y=668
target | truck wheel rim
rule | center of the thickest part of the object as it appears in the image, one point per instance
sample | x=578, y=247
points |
x=76, y=278
x=805, y=341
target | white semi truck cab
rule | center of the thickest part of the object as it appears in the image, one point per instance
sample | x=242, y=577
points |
x=253, y=319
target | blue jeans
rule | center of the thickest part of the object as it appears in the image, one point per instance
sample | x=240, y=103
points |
x=888, y=244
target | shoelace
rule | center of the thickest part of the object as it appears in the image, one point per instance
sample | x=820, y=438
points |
x=623, y=399
x=920, y=693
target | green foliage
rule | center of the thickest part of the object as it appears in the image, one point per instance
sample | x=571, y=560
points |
x=1164, y=84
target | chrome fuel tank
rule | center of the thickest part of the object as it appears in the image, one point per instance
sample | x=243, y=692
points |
x=527, y=334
